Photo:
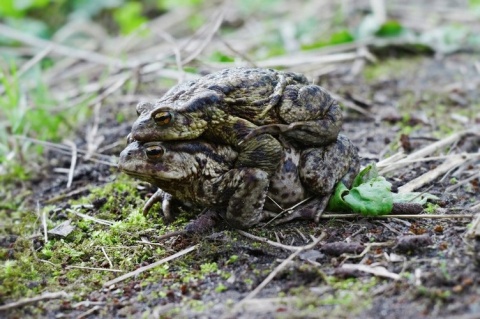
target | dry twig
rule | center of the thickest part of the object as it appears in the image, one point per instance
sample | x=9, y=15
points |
x=94, y=268
x=155, y=264
x=277, y=269
x=454, y=161
x=272, y=243
x=106, y=256
x=425, y=216
x=27, y=301
x=376, y=271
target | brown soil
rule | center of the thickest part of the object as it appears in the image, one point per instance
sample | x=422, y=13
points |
x=439, y=277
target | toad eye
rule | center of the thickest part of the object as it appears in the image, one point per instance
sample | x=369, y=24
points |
x=162, y=118
x=154, y=151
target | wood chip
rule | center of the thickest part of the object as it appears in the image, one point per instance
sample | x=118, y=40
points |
x=378, y=271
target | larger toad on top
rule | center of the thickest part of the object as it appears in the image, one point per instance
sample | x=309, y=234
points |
x=230, y=105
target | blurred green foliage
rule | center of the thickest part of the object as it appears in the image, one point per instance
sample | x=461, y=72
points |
x=129, y=17
x=43, y=17
x=29, y=110
x=18, y=9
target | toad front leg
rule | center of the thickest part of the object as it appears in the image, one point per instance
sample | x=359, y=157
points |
x=160, y=196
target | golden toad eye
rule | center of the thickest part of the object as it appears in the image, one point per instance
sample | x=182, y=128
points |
x=162, y=118
x=154, y=151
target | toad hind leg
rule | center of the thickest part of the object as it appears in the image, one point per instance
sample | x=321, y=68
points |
x=322, y=168
x=312, y=117
x=245, y=190
x=263, y=152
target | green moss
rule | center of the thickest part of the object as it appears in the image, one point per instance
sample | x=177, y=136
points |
x=220, y=288
x=431, y=208
x=208, y=268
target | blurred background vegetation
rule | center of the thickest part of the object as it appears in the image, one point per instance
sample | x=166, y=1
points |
x=58, y=59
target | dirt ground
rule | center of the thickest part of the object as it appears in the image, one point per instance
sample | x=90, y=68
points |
x=361, y=267
x=438, y=276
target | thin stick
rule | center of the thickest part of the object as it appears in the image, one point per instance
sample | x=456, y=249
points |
x=475, y=207
x=341, y=216
x=97, y=220
x=63, y=196
x=73, y=162
x=112, y=88
x=65, y=148
x=351, y=105
x=265, y=240
x=376, y=271
x=44, y=223
x=155, y=264
x=94, y=268
x=106, y=256
x=37, y=58
x=277, y=270
x=176, y=51
x=439, y=170
x=461, y=183
x=93, y=140
x=208, y=38
x=87, y=313
x=26, y=301
x=170, y=234
x=146, y=242
x=284, y=210
x=429, y=149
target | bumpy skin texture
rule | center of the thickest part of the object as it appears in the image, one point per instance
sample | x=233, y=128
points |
x=242, y=107
x=204, y=174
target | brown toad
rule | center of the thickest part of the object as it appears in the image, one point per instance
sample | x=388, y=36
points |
x=234, y=105
x=204, y=174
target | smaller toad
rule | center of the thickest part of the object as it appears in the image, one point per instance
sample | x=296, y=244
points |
x=204, y=174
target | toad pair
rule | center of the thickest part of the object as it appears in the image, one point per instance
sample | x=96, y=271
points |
x=242, y=142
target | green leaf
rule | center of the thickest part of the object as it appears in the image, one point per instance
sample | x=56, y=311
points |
x=15, y=8
x=368, y=173
x=474, y=3
x=390, y=28
x=372, y=198
x=343, y=36
x=218, y=56
x=370, y=194
x=336, y=202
